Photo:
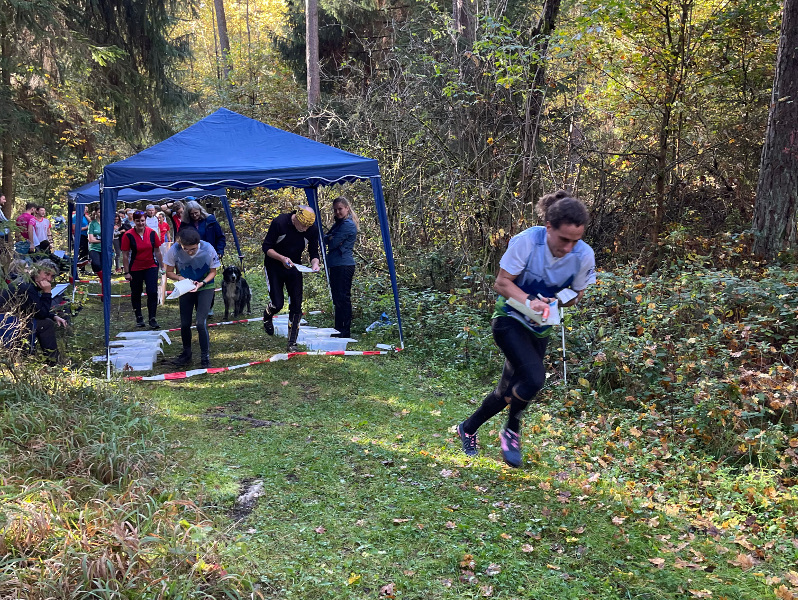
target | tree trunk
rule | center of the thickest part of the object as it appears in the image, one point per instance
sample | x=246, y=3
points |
x=463, y=15
x=312, y=58
x=224, y=39
x=533, y=107
x=7, y=148
x=777, y=192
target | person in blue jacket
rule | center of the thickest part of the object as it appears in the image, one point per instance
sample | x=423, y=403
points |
x=206, y=224
x=340, y=241
x=539, y=262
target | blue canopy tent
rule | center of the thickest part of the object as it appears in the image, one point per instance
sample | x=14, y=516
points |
x=89, y=193
x=229, y=150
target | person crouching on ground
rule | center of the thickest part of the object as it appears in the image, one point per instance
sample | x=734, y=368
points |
x=141, y=255
x=340, y=240
x=282, y=248
x=196, y=260
x=30, y=299
x=539, y=263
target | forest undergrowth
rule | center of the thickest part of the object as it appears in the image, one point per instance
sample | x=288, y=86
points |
x=664, y=468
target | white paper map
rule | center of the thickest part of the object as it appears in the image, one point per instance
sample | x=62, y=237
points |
x=554, y=312
x=304, y=269
x=181, y=287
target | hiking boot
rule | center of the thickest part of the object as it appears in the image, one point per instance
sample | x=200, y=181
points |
x=511, y=447
x=268, y=324
x=183, y=359
x=469, y=441
x=154, y=324
x=205, y=362
x=293, y=331
x=139, y=321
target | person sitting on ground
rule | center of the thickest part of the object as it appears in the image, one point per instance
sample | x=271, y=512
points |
x=27, y=303
x=282, y=248
x=44, y=252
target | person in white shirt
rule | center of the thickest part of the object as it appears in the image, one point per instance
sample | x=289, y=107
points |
x=152, y=219
x=41, y=227
x=539, y=263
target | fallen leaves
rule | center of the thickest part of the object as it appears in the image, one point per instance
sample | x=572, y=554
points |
x=493, y=569
x=388, y=591
x=657, y=562
x=744, y=561
x=784, y=593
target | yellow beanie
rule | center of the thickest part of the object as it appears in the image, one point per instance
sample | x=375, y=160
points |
x=305, y=215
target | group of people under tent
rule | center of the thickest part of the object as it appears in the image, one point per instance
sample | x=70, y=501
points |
x=540, y=262
x=196, y=255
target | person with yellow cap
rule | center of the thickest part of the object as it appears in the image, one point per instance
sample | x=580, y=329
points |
x=282, y=248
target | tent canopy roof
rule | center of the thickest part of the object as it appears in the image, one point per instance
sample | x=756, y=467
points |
x=230, y=150
x=90, y=192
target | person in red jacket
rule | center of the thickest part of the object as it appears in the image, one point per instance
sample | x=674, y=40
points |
x=141, y=256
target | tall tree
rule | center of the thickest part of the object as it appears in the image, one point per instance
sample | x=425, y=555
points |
x=777, y=193
x=73, y=69
x=224, y=39
x=312, y=60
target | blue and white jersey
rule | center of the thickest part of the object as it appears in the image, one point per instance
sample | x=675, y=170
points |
x=538, y=271
x=193, y=267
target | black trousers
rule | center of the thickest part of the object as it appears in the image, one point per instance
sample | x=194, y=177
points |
x=45, y=333
x=523, y=375
x=341, y=290
x=138, y=281
x=83, y=248
x=96, y=261
x=291, y=279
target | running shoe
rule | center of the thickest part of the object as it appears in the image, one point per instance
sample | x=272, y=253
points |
x=511, y=447
x=183, y=359
x=268, y=324
x=139, y=321
x=469, y=441
x=205, y=363
x=154, y=324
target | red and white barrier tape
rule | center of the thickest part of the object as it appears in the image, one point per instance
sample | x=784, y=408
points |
x=277, y=357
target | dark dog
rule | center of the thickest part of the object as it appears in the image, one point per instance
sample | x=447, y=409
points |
x=235, y=291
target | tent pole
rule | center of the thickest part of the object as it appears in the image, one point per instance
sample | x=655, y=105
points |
x=229, y=214
x=382, y=213
x=562, y=330
x=107, y=211
x=312, y=195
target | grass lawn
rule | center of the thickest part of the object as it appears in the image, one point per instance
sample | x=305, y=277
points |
x=366, y=493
